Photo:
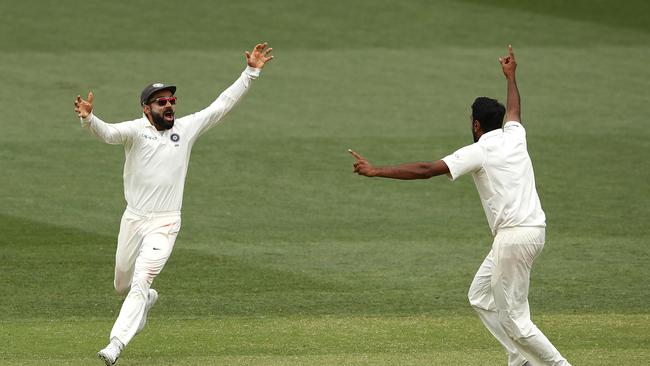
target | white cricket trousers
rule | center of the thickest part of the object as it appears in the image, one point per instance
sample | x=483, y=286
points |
x=499, y=293
x=145, y=242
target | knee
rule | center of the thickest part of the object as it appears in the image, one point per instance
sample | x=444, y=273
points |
x=472, y=298
x=477, y=307
x=121, y=286
x=518, y=330
x=478, y=301
x=122, y=290
x=511, y=330
x=139, y=287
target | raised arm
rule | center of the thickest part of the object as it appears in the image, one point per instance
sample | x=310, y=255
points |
x=406, y=171
x=109, y=133
x=215, y=112
x=513, y=104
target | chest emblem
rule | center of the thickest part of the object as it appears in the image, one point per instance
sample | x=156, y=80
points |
x=175, y=137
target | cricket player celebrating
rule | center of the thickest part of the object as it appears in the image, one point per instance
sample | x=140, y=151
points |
x=503, y=173
x=157, y=148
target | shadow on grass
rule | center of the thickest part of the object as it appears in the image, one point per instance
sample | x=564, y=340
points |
x=50, y=271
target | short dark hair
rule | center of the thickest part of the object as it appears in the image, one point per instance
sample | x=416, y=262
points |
x=489, y=112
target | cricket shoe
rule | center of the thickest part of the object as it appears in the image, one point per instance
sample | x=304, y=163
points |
x=151, y=300
x=111, y=353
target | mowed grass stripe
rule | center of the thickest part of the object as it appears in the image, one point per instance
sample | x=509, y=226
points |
x=329, y=24
x=352, y=340
x=410, y=114
x=52, y=271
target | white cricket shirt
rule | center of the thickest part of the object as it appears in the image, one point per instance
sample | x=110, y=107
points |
x=156, y=164
x=504, y=177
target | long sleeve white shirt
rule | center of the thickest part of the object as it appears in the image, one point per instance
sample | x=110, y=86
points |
x=156, y=164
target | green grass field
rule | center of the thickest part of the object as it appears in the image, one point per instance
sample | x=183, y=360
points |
x=285, y=256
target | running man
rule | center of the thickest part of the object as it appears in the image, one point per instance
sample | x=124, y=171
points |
x=503, y=173
x=157, y=149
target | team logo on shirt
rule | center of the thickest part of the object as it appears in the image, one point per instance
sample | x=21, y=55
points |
x=175, y=137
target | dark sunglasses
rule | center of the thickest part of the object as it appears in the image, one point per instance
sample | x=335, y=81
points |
x=163, y=101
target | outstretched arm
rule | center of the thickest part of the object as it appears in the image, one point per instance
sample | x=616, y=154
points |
x=109, y=133
x=419, y=170
x=513, y=104
x=215, y=112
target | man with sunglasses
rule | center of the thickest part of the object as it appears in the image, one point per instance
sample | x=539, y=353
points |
x=157, y=149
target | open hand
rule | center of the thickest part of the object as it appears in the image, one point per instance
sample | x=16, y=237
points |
x=508, y=64
x=259, y=56
x=362, y=166
x=84, y=107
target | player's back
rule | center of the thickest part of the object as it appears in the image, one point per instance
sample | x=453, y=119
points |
x=506, y=181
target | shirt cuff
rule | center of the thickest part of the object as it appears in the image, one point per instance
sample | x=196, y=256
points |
x=85, y=121
x=516, y=123
x=450, y=175
x=252, y=72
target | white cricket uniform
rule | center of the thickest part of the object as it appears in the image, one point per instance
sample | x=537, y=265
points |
x=503, y=174
x=154, y=178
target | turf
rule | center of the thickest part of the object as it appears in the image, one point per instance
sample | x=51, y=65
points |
x=286, y=257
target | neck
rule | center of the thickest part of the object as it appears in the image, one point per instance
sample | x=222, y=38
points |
x=478, y=135
x=158, y=127
x=154, y=124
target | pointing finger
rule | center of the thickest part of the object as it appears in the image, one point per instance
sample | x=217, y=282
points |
x=91, y=97
x=357, y=156
x=512, y=54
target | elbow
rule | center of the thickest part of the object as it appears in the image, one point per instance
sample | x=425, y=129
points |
x=430, y=170
x=426, y=171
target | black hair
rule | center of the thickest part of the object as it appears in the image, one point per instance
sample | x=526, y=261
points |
x=489, y=112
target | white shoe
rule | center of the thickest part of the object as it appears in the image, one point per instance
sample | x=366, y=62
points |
x=111, y=353
x=151, y=300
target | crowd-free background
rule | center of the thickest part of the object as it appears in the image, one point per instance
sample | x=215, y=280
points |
x=285, y=256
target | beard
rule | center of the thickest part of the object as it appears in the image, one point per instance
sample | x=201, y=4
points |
x=160, y=120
